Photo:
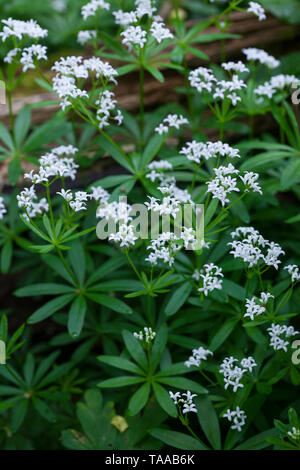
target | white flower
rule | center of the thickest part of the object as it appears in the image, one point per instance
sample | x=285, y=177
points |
x=172, y=120
x=253, y=248
x=262, y=56
x=295, y=433
x=160, y=32
x=255, y=307
x=275, y=333
x=238, y=67
x=18, y=29
x=51, y=165
x=85, y=36
x=99, y=194
x=211, y=275
x=238, y=417
x=277, y=83
x=146, y=335
x=117, y=211
x=223, y=184
x=11, y=54
x=26, y=201
x=233, y=373
x=187, y=402
x=2, y=208
x=257, y=10
x=125, y=236
x=66, y=194
x=29, y=54
x=293, y=271
x=134, y=36
x=249, y=180
x=197, y=356
x=125, y=18
x=90, y=8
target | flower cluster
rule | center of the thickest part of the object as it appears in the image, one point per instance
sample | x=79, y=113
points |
x=275, y=333
x=237, y=417
x=233, y=373
x=203, y=79
x=199, y=355
x=197, y=151
x=146, y=335
x=18, y=29
x=254, y=54
x=293, y=271
x=171, y=121
x=224, y=184
x=257, y=10
x=187, y=402
x=253, y=248
x=91, y=8
x=26, y=201
x=168, y=244
x=54, y=164
x=2, y=208
x=211, y=278
x=277, y=83
x=71, y=69
x=255, y=306
x=84, y=36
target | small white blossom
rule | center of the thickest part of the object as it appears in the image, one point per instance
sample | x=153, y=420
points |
x=91, y=8
x=293, y=271
x=2, y=208
x=160, y=32
x=134, y=36
x=198, y=355
x=146, y=335
x=18, y=29
x=261, y=56
x=85, y=36
x=233, y=373
x=276, y=332
x=187, y=402
x=211, y=275
x=237, y=417
x=257, y=10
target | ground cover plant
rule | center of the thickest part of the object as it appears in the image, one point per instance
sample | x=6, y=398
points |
x=143, y=329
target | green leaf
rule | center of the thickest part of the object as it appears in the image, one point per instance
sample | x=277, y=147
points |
x=164, y=400
x=44, y=289
x=182, y=383
x=6, y=137
x=135, y=349
x=121, y=363
x=14, y=170
x=118, y=382
x=111, y=302
x=152, y=149
x=159, y=346
x=208, y=421
x=139, y=399
x=6, y=256
x=177, y=439
x=22, y=125
x=77, y=259
x=222, y=334
x=107, y=268
x=76, y=316
x=44, y=409
x=49, y=308
x=178, y=298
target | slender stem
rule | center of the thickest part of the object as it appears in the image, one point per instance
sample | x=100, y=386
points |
x=66, y=266
x=50, y=208
x=11, y=113
x=133, y=266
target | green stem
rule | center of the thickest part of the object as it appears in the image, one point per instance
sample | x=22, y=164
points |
x=142, y=98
